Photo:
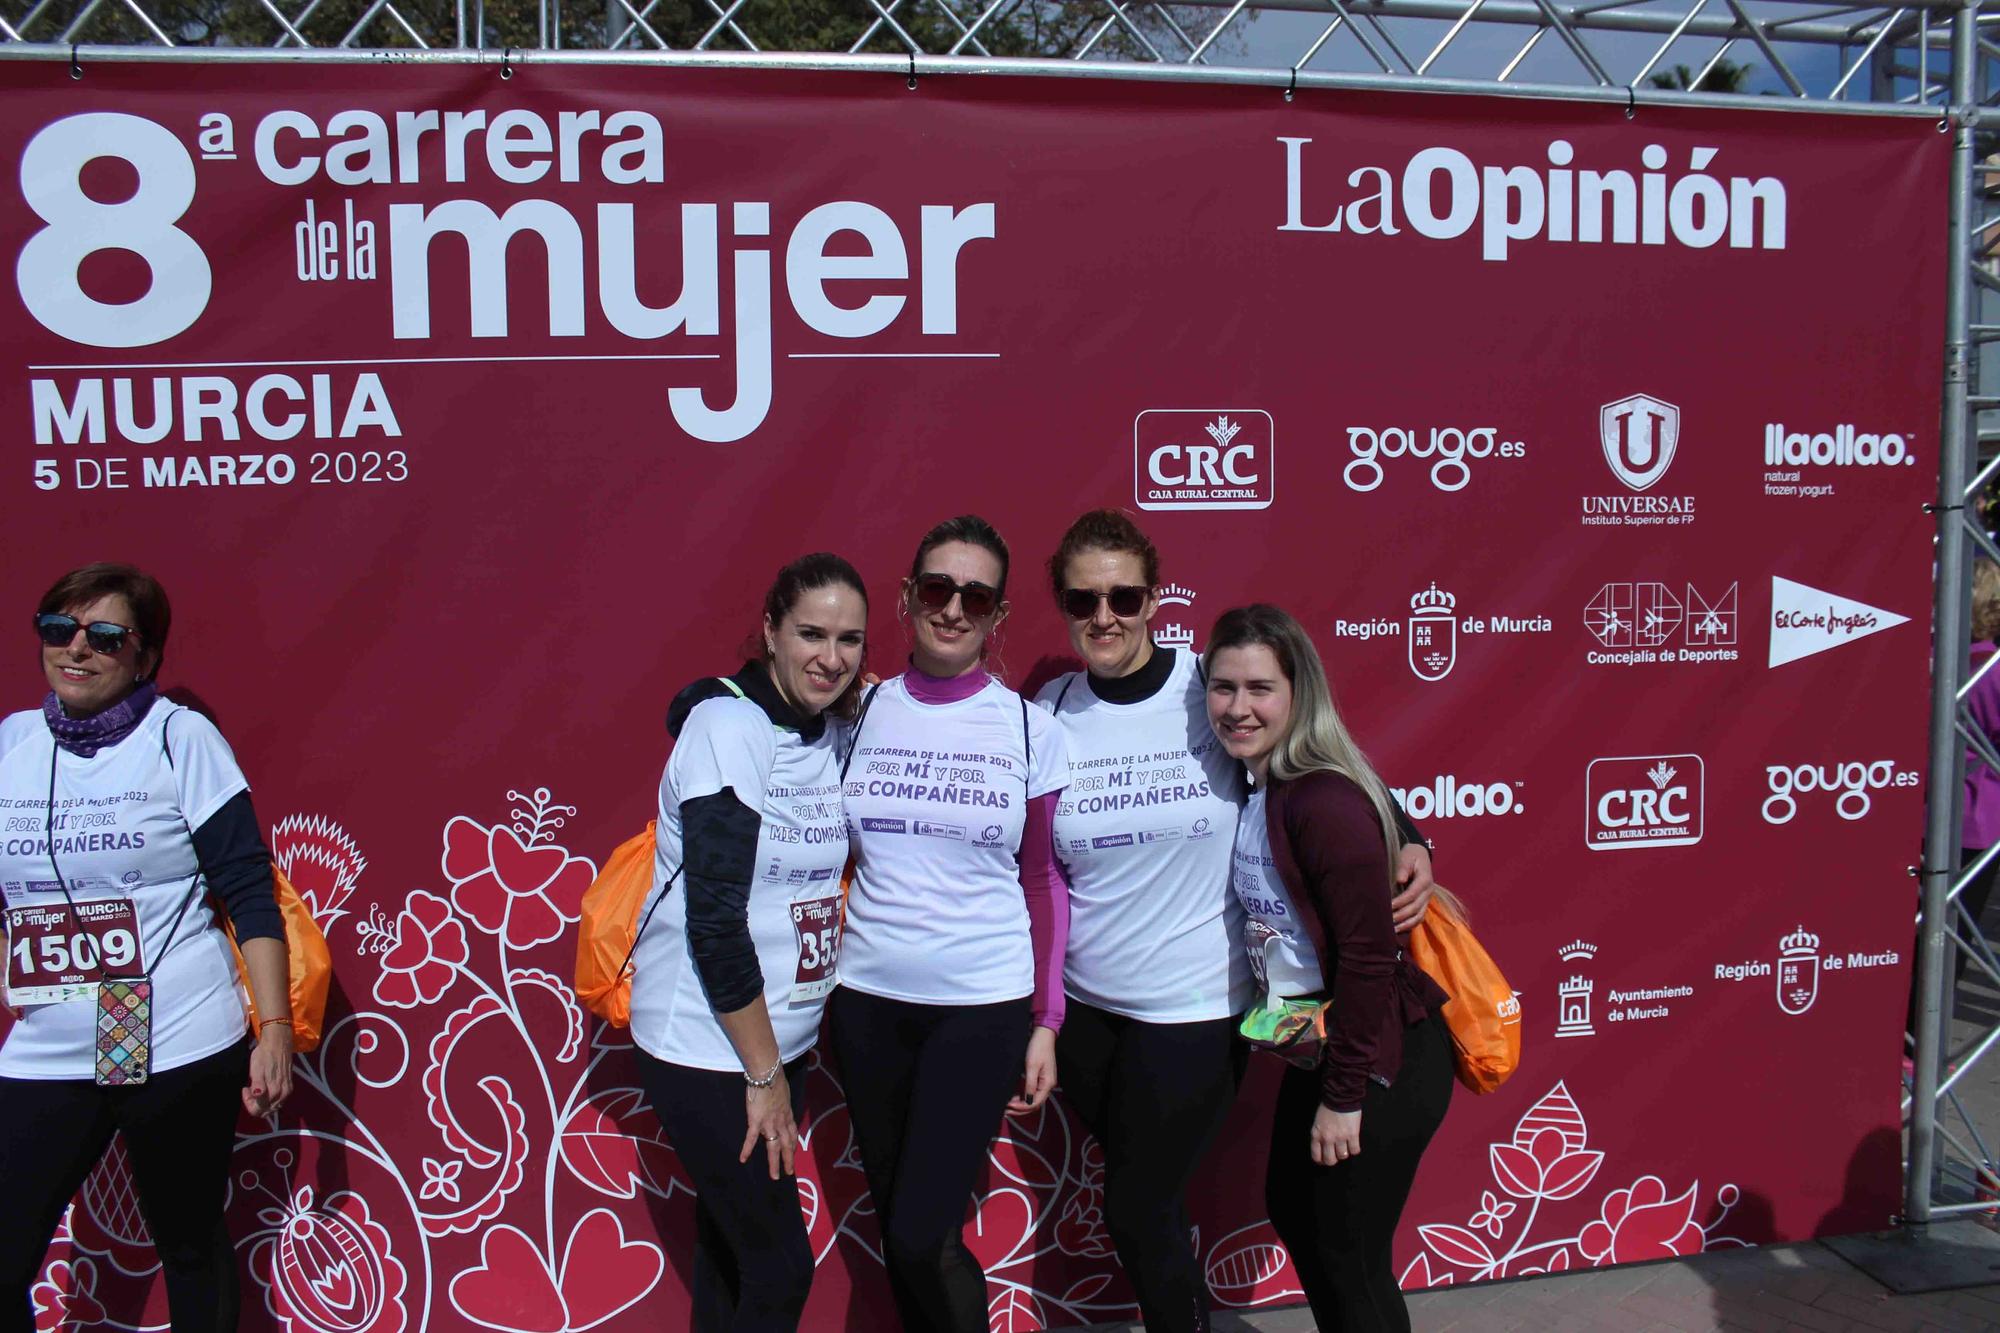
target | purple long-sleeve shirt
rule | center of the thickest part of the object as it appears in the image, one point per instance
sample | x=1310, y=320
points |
x=1982, y=784
x=1042, y=884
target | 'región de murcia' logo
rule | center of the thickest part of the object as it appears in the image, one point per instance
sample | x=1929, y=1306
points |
x=1433, y=634
x=1548, y=1161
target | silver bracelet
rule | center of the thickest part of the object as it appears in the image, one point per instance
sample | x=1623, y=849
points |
x=770, y=1076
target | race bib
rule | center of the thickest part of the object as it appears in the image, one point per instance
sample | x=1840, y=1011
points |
x=816, y=923
x=56, y=953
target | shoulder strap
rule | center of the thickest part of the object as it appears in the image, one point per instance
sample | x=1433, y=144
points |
x=854, y=741
x=1027, y=749
x=624, y=968
x=194, y=884
x=675, y=873
x=1063, y=693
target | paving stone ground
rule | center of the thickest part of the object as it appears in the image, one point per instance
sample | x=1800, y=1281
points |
x=1805, y=1288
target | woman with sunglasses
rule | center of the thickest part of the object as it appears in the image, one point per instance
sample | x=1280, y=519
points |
x=729, y=983
x=951, y=970
x=126, y=818
x=1312, y=867
x=1155, y=969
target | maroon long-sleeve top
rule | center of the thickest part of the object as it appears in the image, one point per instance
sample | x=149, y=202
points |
x=1327, y=843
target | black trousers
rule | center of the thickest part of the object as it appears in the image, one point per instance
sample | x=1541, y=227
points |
x=1154, y=1095
x=1339, y=1221
x=753, y=1263
x=179, y=1128
x=926, y=1087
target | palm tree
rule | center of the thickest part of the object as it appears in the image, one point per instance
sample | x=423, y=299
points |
x=1726, y=77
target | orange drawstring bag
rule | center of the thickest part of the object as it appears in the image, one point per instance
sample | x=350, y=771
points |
x=309, y=966
x=610, y=928
x=1483, y=1015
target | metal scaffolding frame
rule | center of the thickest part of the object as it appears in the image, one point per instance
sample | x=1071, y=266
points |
x=1926, y=58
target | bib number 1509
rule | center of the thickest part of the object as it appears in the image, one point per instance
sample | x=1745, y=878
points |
x=56, y=954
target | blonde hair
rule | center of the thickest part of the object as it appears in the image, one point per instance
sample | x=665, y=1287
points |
x=1316, y=741
x=1985, y=600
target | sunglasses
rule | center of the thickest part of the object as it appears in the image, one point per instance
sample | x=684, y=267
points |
x=60, y=632
x=935, y=591
x=1125, y=602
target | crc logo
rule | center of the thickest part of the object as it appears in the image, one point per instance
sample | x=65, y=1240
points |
x=1653, y=800
x=1449, y=445
x=1639, y=434
x=1211, y=459
x=1854, y=781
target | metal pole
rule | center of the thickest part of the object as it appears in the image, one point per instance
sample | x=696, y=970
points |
x=1949, y=643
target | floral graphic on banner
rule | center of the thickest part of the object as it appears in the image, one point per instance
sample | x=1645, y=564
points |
x=1549, y=1161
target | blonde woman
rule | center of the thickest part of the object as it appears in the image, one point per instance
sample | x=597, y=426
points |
x=1313, y=857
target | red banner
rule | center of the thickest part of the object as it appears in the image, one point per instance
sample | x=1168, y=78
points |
x=465, y=419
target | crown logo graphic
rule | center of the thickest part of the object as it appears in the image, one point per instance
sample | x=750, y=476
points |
x=1576, y=951
x=1576, y=986
x=1173, y=594
x=1222, y=430
x=1800, y=941
x=1661, y=773
x=1433, y=602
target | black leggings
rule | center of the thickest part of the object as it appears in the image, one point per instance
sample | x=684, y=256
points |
x=926, y=1085
x=1338, y=1221
x=753, y=1264
x=1154, y=1095
x=179, y=1128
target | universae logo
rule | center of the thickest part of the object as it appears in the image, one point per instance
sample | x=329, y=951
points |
x=1208, y=458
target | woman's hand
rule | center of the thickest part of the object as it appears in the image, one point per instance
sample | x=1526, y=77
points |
x=1336, y=1136
x=270, y=1070
x=769, y=1113
x=1413, y=897
x=1038, y=1078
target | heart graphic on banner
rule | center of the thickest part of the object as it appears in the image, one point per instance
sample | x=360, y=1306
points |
x=512, y=1288
x=523, y=869
x=603, y=1272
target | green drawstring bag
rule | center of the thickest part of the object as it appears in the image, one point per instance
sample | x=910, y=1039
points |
x=1292, y=1029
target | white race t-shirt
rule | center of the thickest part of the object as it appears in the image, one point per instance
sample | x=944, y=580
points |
x=794, y=905
x=1145, y=832
x=122, y=829
x=1275, y=939
x=936, y=800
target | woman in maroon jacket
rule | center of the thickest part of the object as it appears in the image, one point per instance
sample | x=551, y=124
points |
x=1313, y=854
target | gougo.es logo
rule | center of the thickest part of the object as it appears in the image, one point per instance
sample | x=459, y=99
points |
x=1853, y=781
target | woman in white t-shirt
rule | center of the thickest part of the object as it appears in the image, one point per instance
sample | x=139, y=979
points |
x=730, y=980
x=121, y=816
x=950, y=990
x=1156, y=970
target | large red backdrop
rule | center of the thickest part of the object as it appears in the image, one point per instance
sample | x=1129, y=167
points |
x=1592, y=448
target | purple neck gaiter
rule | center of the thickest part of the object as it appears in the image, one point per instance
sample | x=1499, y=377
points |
x=928, y=689
x=85, y=736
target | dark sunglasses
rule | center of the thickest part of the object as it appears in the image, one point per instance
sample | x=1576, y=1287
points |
x=1081, y=603
x=935, y=591
x=103, y=636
